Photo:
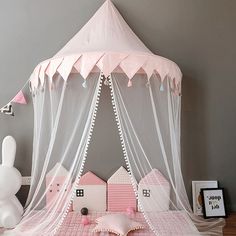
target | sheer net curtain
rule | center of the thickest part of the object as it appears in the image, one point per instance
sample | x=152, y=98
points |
x=64, y=113
x=148, y=116
x=149, y=126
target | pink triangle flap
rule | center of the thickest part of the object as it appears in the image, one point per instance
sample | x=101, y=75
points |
x=19, y=98
x=132, y=64
x=110, y=61
x=66, y=66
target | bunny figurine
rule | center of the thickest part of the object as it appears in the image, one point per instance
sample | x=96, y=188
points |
x=11, y=210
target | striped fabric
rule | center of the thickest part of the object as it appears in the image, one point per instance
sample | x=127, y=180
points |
x=120, y=197
x=169, y=223
x=72, y=226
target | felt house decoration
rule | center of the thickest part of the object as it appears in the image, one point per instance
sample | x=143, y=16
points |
x=91, y=193
x=154, y=192
x=121, y=194
x=58, y=184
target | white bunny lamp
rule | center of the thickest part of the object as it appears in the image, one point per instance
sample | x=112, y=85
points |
x=10, y=182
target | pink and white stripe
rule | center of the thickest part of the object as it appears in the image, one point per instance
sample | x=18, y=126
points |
x=121, y=197
x=169, y=223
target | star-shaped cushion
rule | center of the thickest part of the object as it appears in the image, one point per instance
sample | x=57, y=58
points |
x=118, y=224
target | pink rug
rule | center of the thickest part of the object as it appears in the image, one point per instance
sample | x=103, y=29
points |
x=175, y=223
x=72, y=226
x=171, y=223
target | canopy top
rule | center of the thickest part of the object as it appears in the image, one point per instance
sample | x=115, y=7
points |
x=106, y=43
x=106, y=31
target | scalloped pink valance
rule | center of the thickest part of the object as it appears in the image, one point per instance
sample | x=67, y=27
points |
x=107, y=62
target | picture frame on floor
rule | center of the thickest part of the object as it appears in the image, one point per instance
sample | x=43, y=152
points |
x=196, y=194
x=213, y=203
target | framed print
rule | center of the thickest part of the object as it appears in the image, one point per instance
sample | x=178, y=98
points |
x=213, y=203
x=196, y=192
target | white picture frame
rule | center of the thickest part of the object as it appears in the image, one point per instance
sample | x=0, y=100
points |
x=196, y=194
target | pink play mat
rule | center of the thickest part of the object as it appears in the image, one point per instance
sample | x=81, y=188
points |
x=171, y=223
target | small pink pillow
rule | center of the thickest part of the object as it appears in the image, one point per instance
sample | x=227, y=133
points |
x=118, y=224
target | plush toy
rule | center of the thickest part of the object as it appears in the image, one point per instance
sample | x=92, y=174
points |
x=10, y=182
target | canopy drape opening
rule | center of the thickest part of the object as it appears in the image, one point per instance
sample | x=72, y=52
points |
x=148, y=122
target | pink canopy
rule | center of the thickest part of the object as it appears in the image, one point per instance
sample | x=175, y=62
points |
x=106, y=43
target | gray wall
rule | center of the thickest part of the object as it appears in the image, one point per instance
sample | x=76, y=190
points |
x=199, y=35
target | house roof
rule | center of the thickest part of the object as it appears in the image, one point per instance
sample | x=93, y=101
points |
x=155, y=177
x=121, y=176
x=91, y=179
x=58, y=170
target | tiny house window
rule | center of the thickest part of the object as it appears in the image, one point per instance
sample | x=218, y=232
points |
x=146, y=192
x=79, y=193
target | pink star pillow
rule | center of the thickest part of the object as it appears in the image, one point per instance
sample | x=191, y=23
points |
x=118, y=224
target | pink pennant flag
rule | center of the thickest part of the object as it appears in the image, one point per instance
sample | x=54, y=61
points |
x=19, y=98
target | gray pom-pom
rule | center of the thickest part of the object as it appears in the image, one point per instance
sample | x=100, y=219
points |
x=84, y=211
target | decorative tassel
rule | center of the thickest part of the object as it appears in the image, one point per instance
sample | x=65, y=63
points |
x=106, y=82
x=130, y=83
x=162, y=87
x=148, y=84
x=84, y=84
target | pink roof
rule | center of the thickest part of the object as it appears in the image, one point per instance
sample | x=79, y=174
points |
x=91, y=179
x=155, y=177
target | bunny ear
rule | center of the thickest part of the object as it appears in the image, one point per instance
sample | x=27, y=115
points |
x=8, y=151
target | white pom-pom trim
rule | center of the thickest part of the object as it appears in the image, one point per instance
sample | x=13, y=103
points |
x=76, y=184
x=124, y=149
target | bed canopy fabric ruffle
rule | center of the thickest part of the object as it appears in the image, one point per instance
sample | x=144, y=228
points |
x=145, y=93
x=108, y=43
x=107, y=62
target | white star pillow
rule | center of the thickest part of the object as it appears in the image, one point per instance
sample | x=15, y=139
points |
x=118, y=224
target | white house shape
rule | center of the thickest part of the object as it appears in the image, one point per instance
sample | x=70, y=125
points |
x=58, y=170
x=91, y=193
x=121, y=194
x=154, y=192
x=56, y=181
x=121, y=176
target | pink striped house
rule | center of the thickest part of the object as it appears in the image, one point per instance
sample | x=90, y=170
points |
x=120, y=191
